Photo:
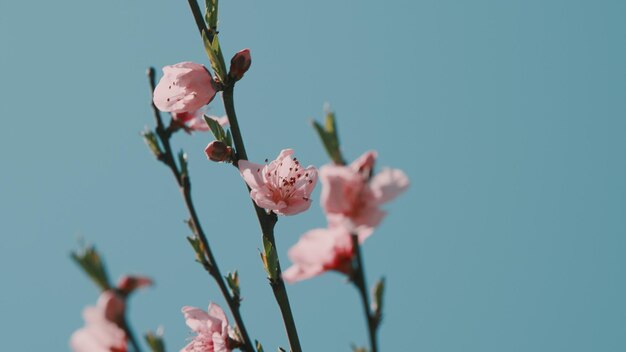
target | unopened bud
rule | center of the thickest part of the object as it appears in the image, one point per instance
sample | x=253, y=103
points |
x=218, y=151
x=239, y=64
x=128, y=283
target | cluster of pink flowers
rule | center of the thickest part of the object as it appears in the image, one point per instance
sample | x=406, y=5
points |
x=213, y=333
x=351, y=200
x=103, y=330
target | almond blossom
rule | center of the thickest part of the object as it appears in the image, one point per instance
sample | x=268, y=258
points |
x=282, y=186
x=184, y=87
x=102, y=332
x=351, y=195
x=212, y=329
x=318, y=251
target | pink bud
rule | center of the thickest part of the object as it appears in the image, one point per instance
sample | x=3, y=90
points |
x=218, y=151
x=239, y=64
x=129, y=283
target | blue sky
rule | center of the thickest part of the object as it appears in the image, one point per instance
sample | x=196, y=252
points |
x=508, y=116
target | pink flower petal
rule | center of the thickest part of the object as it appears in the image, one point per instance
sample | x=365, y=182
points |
x=388, y=184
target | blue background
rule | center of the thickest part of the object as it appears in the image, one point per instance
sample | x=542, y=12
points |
x=508, y=116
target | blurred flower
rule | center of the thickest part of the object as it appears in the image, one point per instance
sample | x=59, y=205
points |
x=102, y=332
x=218, y=151
x=239, y=64
x=129, y=283
x=282, y=186
x=184, y=87
x=212, y=329
x=351, y=196
x=194, y=120
x=318, y=251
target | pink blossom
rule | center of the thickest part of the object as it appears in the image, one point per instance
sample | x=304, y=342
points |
x=102, y=332
x=282, y=186
x=351, y=197
x=212, y=329
x=184, y=87
x=129, y=283
x=318, y=251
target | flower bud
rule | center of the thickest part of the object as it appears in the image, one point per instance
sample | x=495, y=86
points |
x=239, y=64
x=218, y=151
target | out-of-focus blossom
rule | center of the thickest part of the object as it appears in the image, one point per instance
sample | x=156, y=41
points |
x=212, y=329
x=318, y=251
x=351, y=195
x=239, y=64
x=129, y=283
x=282, y=186
x=194, y=121
x=184, y=87
x=218, y=151
x=102, y=332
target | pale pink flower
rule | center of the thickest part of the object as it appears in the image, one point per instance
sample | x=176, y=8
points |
x=184, y=87
x=318, y=251
x=102, y=332
x=212, y=329
x=351, y=196
x=129, y=283
x=282, y=186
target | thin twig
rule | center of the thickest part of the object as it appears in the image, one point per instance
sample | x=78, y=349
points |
x=129, y=333
x=358, y=278
x=267, y=222
x=185, y=188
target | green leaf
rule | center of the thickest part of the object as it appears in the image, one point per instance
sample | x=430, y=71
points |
x=198, y=249
x=155, y=341
x=329, y=137
x=270, y=260
x=229, y=139
x=211, y=13
x=259, y=348
x=152, y=142
x=90, y=261
x=377, y=302
x=182, y=160
x=216, y=129
x=232, y=279
x=214, y=52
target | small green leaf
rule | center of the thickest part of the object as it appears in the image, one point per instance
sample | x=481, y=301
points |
x=211, y=13
x=280, y=349
x=270, y=260
x=358, y=349
x=152, y=142
x=198, y=249
x=155, y=341
x=229, y=139
x=329, y=137
x=377, y=302
x=214, y=52
x=259, y=347
x=90, y=261
x=182, y=160
x=232, y=279
x=216, y=129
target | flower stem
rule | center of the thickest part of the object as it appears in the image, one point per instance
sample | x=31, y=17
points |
x=184, y=185
x=358, y=278
x=131, y=335
x=267, y=222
